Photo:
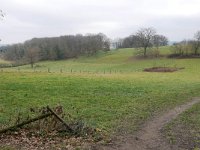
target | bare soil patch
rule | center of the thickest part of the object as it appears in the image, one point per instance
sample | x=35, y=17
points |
x=150, y=136
x=178, y=56
x=162, y=69
x=26, y=140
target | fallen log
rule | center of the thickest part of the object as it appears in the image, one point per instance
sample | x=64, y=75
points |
x=60, y=119
x=25, y=122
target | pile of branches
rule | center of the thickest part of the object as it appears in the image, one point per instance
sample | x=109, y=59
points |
x=47, y=127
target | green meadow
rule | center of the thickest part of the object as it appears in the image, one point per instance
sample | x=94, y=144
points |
x=108, y=90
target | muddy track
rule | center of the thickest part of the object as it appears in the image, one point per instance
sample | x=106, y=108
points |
x=149, y=137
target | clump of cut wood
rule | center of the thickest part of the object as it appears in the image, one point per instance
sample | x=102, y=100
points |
x=54, y=122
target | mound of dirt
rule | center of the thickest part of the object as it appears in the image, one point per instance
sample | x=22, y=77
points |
x=162, y=69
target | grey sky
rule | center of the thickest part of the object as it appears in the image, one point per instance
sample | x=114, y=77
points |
x=25, y=19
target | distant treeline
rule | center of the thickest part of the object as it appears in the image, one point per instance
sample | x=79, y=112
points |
x=186, y=48
x=134, y=41
x=56, y=48
x=72, y=46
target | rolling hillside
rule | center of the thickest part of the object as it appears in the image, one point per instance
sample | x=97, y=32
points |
x=108, y=91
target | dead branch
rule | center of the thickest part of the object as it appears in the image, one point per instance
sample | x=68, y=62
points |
x=25, y=122
x=60, y=119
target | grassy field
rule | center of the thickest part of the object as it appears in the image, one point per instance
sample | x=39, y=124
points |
x=114, y=61
x=108, y=90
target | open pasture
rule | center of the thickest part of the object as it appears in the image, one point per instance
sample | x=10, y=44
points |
x=107, y=100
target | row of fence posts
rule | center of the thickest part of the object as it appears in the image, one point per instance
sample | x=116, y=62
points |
x=84, y=71
x=75, y=71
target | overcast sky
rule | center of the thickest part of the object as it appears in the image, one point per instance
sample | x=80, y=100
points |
x=25, y=19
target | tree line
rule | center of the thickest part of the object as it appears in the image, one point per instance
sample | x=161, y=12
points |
x=56, y=48
x=72, y=46
x=187, y=48
x=144, y=38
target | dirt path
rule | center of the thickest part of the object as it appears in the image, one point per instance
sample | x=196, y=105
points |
x=149, y=137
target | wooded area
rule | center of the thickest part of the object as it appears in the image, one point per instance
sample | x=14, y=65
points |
x=56, y=48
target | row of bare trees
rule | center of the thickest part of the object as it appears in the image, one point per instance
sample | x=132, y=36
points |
x=56, y=48
x=144, y=38
x=187, y=48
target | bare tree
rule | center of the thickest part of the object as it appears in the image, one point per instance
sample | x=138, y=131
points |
x=32, y=55
x=196, y=42
x=130, y=42
x=145, y=38
x=181, y=49
x=159, y=40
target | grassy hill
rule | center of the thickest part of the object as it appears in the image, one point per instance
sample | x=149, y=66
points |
x=109, y=90
x=121, y=60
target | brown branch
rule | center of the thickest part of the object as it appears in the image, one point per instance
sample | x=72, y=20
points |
x=60, y=119
x=25, y=122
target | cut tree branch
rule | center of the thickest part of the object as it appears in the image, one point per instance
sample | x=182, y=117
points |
x=25, y=122
x=60, y=119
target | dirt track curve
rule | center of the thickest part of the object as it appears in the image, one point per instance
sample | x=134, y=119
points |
x=149, y=137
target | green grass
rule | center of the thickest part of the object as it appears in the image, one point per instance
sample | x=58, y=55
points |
x=6, y=148
x=185, y=130
x=126, y=97
x=101, y=100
